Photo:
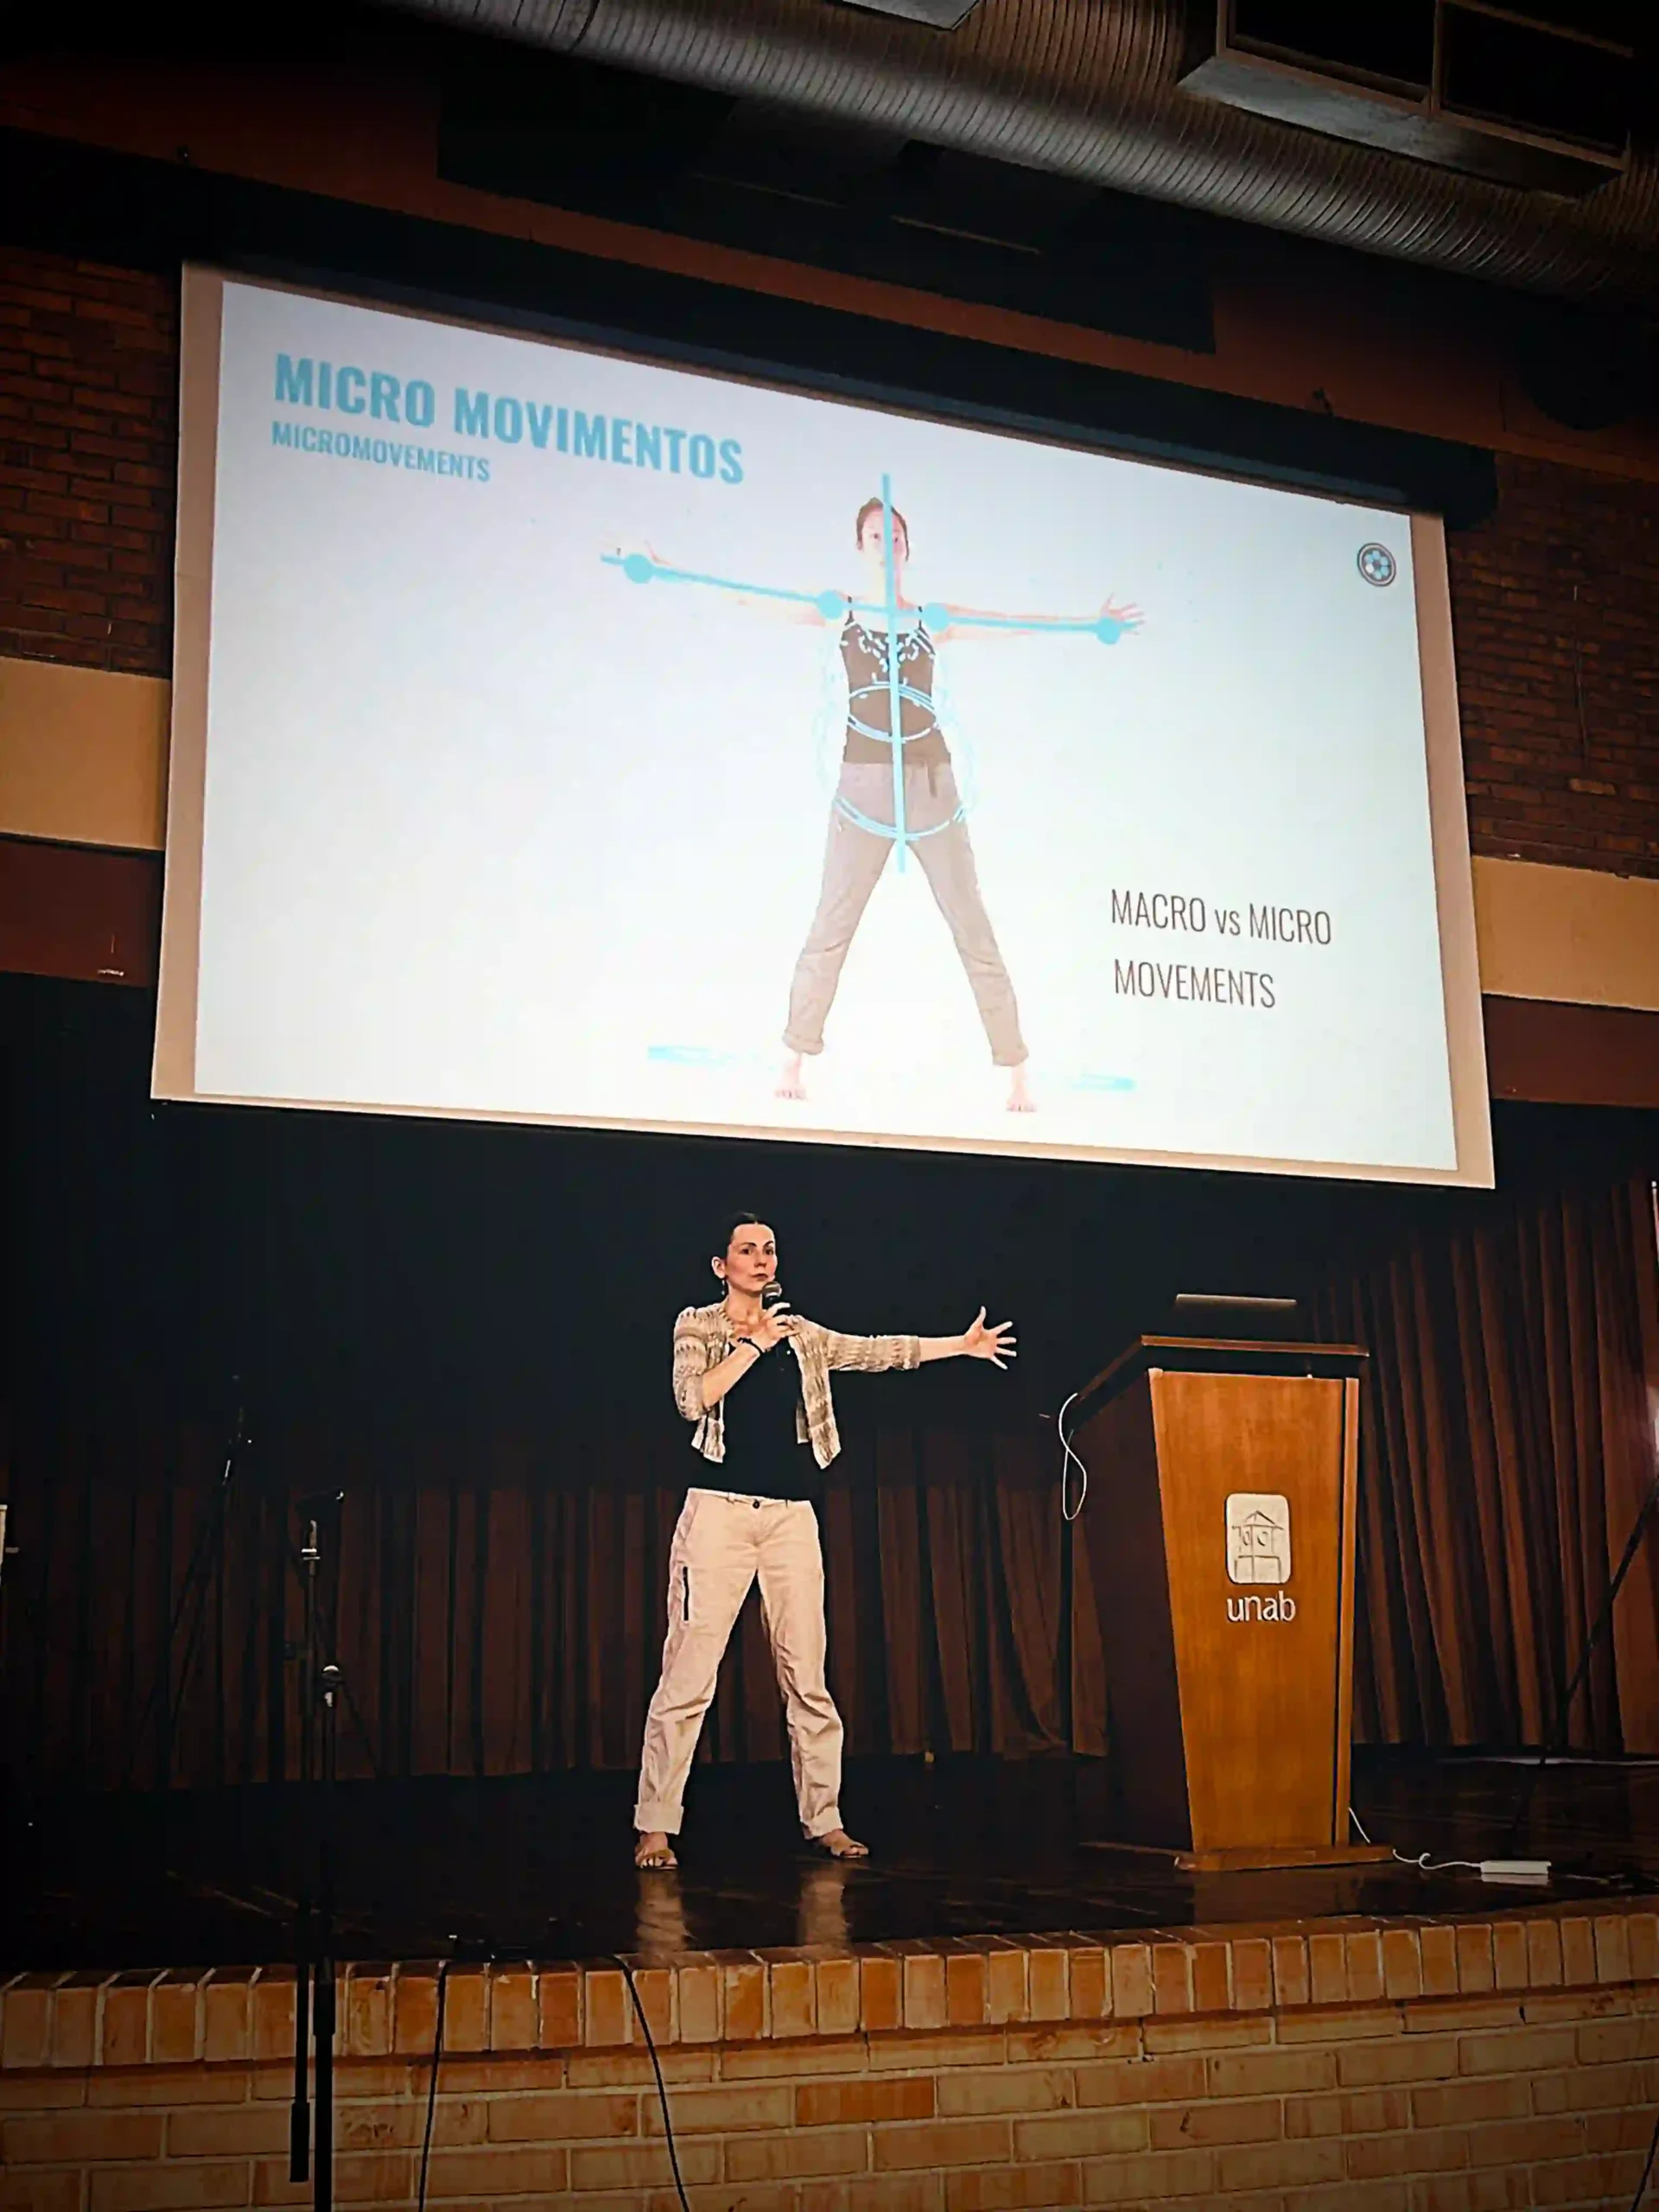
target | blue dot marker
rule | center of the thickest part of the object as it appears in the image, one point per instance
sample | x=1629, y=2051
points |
x=830, y=604
x=638, y=569
x=1108, y=631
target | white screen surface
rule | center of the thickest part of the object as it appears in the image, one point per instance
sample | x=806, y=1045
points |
x=472, y=816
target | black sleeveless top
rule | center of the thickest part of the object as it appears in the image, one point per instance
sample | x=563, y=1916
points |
x=764, y=1455
x=869, y=702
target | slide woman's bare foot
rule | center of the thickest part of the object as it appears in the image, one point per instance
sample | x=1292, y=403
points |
x=839, y=1844
x=791, y=1082
x=653, y=1850
x=1019, y=1098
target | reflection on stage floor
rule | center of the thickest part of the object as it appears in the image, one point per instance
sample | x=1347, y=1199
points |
x=541, y=1866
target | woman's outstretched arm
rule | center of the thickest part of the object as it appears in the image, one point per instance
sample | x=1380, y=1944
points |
x=977, y=1341
x=873, y=1355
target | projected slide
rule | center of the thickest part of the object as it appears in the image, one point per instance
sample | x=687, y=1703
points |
x=559, y=735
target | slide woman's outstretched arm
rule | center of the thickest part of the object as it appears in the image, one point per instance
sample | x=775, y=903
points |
x=817, y=610
x=967, y=622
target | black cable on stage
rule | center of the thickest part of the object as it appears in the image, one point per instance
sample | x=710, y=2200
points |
x=1557, y=1739
x=662, y=2086
x=165, y=1701
x=1642, y=2186
x=432, y=2085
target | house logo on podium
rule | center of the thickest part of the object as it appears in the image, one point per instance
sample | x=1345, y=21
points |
x=1258, y=1553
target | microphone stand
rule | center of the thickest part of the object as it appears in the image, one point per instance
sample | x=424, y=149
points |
x=321, y=1686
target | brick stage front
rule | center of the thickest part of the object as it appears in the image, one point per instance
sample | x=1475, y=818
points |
x=1407, y=2065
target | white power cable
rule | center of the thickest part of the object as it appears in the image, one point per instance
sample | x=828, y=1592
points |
x=1529, y=1872
x=1068, y=1511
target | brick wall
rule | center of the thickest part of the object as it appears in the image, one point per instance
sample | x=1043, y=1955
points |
x=88, y=442
x=1555, y=602
x=1353, y=2068
x=1555, y=599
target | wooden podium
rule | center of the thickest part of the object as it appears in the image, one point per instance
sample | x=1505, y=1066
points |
x=1218, y=1539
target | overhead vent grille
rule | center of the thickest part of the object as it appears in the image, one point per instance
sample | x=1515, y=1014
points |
x=938, y=15
x=1540, y=94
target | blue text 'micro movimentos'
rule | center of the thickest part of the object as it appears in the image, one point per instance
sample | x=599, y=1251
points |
x=505, y=419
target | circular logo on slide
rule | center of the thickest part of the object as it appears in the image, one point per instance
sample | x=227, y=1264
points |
x=1377, y=565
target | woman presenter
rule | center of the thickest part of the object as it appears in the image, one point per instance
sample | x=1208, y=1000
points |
x=754, y=1380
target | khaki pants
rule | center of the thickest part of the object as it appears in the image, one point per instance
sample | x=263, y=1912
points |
x=853, y=862
x=722, y=1544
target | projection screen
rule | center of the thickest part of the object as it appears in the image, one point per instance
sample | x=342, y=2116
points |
x=559, y=735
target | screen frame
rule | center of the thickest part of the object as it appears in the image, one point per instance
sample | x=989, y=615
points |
x=173, y=1068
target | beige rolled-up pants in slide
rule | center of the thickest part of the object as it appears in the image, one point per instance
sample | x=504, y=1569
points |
x=722, y=1543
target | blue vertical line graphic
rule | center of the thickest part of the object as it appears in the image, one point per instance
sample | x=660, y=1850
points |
x=895, y=725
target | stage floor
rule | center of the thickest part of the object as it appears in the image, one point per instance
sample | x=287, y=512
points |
x=517, y=1867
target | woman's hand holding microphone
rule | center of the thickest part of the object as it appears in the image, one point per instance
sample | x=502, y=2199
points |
x=776, y=1323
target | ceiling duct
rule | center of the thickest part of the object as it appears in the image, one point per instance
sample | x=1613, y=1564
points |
x=1090, y=89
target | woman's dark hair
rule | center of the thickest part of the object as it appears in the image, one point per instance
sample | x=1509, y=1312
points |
x=730, y=1227
x=874, y=507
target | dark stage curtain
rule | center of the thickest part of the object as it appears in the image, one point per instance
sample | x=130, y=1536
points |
x=498, y=1601
x=1508, y=1444
x=500, y=1611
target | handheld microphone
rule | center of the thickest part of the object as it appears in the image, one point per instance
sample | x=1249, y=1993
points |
x=771, y=1295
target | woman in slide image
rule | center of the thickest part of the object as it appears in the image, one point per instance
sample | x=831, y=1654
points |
x=863, y=825
x=754, y=1379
